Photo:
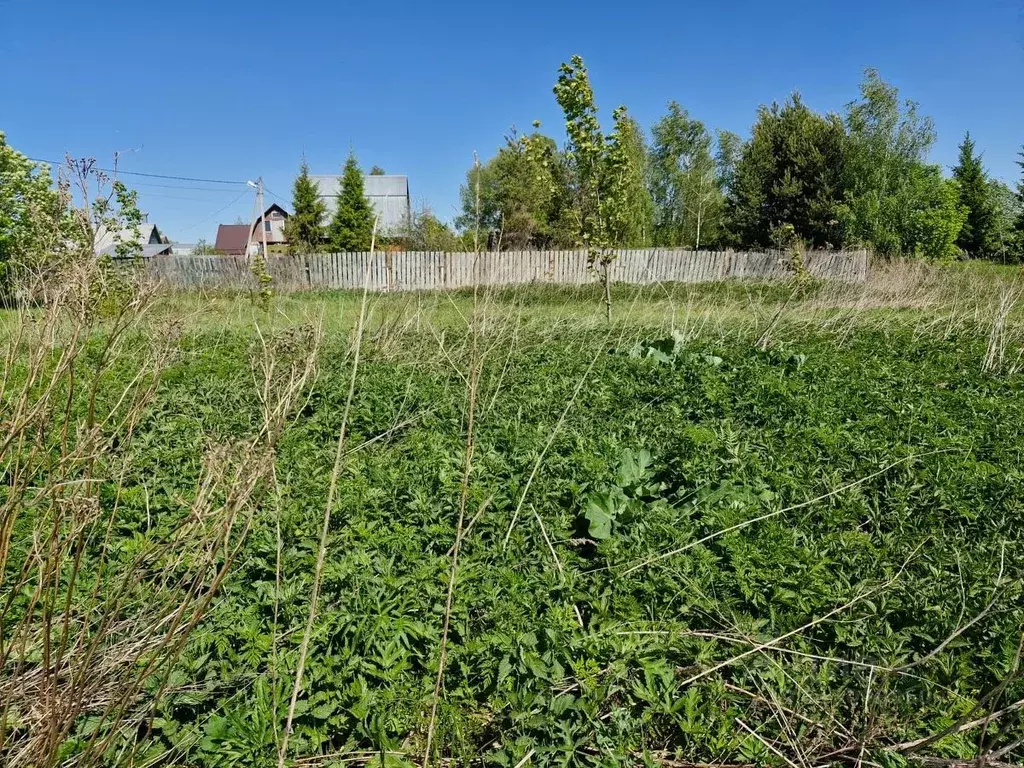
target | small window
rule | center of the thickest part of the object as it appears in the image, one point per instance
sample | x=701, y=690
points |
x=266, y=226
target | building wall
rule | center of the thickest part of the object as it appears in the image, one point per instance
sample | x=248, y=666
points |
x=276, y=232
x=388, y=195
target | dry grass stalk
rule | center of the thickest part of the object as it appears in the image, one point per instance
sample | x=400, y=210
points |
x=551, y=439
x=1002, y=333
x=472, y=384
x=339, y=457
x=84, y=631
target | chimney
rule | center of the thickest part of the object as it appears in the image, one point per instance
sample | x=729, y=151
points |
x=145, y=218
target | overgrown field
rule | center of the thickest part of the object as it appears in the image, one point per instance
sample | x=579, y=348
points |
x=742, y=525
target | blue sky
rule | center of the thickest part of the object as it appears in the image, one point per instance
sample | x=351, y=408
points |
x=226, y=90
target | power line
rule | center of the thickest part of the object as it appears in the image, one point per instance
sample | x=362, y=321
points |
x=216, y=214
x=173, y=186
x=273, y=194
x=182, y=187
x=148, y=175
x=145, y=194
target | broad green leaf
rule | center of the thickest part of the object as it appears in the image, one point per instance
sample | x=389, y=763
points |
x=600, y=512
x=633, y=466
x=657, y=354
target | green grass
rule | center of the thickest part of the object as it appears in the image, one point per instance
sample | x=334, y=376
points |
x=884, y=461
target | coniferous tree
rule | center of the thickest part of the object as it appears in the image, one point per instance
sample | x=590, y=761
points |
x=352, y=225
x=789, y=178
x=304, y=229
x=977, y=234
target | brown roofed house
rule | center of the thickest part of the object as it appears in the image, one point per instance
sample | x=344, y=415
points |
x=235, y=239
x=232, y=239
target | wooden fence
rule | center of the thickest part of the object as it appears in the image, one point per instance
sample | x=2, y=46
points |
x=417, y=271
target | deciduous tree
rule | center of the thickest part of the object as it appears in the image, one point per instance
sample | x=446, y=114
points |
x=680, y=155
x=1019, y=228
x=203, y=248
x=626, y=198
x=891, y=195
x=33, y=219
x=690, y=174
x=428, y=233
x=608, y=196
x=1007, y=210
x=522, y=194
x=730, y=147
x=585, y=154
x=925, y=218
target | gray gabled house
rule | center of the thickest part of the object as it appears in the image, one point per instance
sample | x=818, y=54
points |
x=389, y=196
x=146, y=237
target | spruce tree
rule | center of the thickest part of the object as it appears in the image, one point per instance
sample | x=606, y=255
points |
x=352, y=225
x=976, y=236
x=304, y=229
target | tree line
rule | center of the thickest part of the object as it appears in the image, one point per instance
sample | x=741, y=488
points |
x=857, y=179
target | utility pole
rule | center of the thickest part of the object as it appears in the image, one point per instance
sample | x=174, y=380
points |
x=263, y=213
x=257, y=214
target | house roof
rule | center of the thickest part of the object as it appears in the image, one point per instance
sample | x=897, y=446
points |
x=273, y=207
x=396, y=186
x=389, y=196
x=148, y=250
x=232, y=238
x=148, y=233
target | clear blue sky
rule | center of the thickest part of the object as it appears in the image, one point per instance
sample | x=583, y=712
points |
x=227, y=90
